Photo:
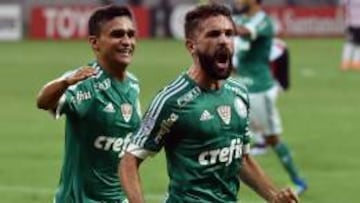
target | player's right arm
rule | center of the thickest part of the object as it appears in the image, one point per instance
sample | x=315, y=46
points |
x=130, y=178
x=49, y=96
x=147, y=141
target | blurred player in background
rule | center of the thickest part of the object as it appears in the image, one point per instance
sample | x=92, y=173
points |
x=279, y=63
x=351, y=49
x=101, y=105
x=256, y=34
x=201, y=120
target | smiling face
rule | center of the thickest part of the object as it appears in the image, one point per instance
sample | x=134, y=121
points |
x=116, y=41
x=212, y=46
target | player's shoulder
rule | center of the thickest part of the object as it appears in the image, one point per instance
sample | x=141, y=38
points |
x=237, y=88
x=178, y=92
x=86, y=84
x=262, y=18
x=132, y=77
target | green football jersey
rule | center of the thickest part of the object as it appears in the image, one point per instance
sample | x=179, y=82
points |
x=252, y=52
x=101, y=114
x=204, y=134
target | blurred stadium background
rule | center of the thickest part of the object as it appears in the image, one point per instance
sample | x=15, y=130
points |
x=40, y=39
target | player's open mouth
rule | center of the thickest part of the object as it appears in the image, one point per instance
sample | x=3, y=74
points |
x=222, y=59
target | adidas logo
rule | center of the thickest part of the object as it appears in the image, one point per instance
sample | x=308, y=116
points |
x=205, y=116
x=109, y=108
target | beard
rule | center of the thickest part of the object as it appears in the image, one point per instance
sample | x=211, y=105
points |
x=209, y=63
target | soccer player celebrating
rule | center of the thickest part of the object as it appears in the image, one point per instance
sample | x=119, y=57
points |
x=255, y=32
x=102, y=110
x=201, y=120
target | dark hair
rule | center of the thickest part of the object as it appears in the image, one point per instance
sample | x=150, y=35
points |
x=202, y=12
x=105, y=14
x=259, y=1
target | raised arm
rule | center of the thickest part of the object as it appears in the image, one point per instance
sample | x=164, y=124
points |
x=49, y=95
x=252, y=175
x=130, y=178
x=242, y=31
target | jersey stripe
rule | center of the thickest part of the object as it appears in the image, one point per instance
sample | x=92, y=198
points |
x=154, y=105
x=132, y=76
x=171, y=87
x=175, y=84
x=157, y=113
x=153, y=108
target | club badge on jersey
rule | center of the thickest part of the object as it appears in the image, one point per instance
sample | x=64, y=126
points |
x=224, y=112
x=126, y=111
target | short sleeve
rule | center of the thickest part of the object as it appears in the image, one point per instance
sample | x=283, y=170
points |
x=155, y=127
x=75, y=101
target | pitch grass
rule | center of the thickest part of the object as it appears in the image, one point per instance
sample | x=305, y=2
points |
x=320, y=116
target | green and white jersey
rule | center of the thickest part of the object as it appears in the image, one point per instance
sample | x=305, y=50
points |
x=101, y=114
x=204, y=134
x=252, y=52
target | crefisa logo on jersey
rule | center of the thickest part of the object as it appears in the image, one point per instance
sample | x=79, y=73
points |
x=126, y=111
x=240, y=107
x=222, y=155
x=224, y=112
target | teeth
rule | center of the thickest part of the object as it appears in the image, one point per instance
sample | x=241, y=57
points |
x=127, y=52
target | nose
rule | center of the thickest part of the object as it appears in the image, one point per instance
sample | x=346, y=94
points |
x=225, y=39
x=125, y=40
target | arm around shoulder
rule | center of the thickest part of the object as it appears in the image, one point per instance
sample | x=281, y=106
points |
x=50, y=94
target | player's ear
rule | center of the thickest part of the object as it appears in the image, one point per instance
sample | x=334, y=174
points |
x=190, y=45
x=93, y=41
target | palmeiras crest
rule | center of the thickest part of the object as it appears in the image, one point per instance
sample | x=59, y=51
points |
x=126, y=111
x=224, y=112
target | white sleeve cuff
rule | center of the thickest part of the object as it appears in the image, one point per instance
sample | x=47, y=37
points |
x=139, y=152
x=252, y=29
x=246, y=149
x=60, y=106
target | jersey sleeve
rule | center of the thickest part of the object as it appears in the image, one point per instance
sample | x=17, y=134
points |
x=155, y=126
x=247, y=135
x=76, y=100
x=259, y=26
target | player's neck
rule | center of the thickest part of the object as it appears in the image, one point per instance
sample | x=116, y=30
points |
x=202, y=79
x=113, y=69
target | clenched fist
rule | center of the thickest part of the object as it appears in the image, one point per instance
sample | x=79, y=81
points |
x=285, y=196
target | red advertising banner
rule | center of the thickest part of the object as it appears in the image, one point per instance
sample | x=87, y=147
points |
x=70, y=22
x=308, y=21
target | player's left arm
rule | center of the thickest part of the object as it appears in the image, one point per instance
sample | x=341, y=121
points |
x=253, y=175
